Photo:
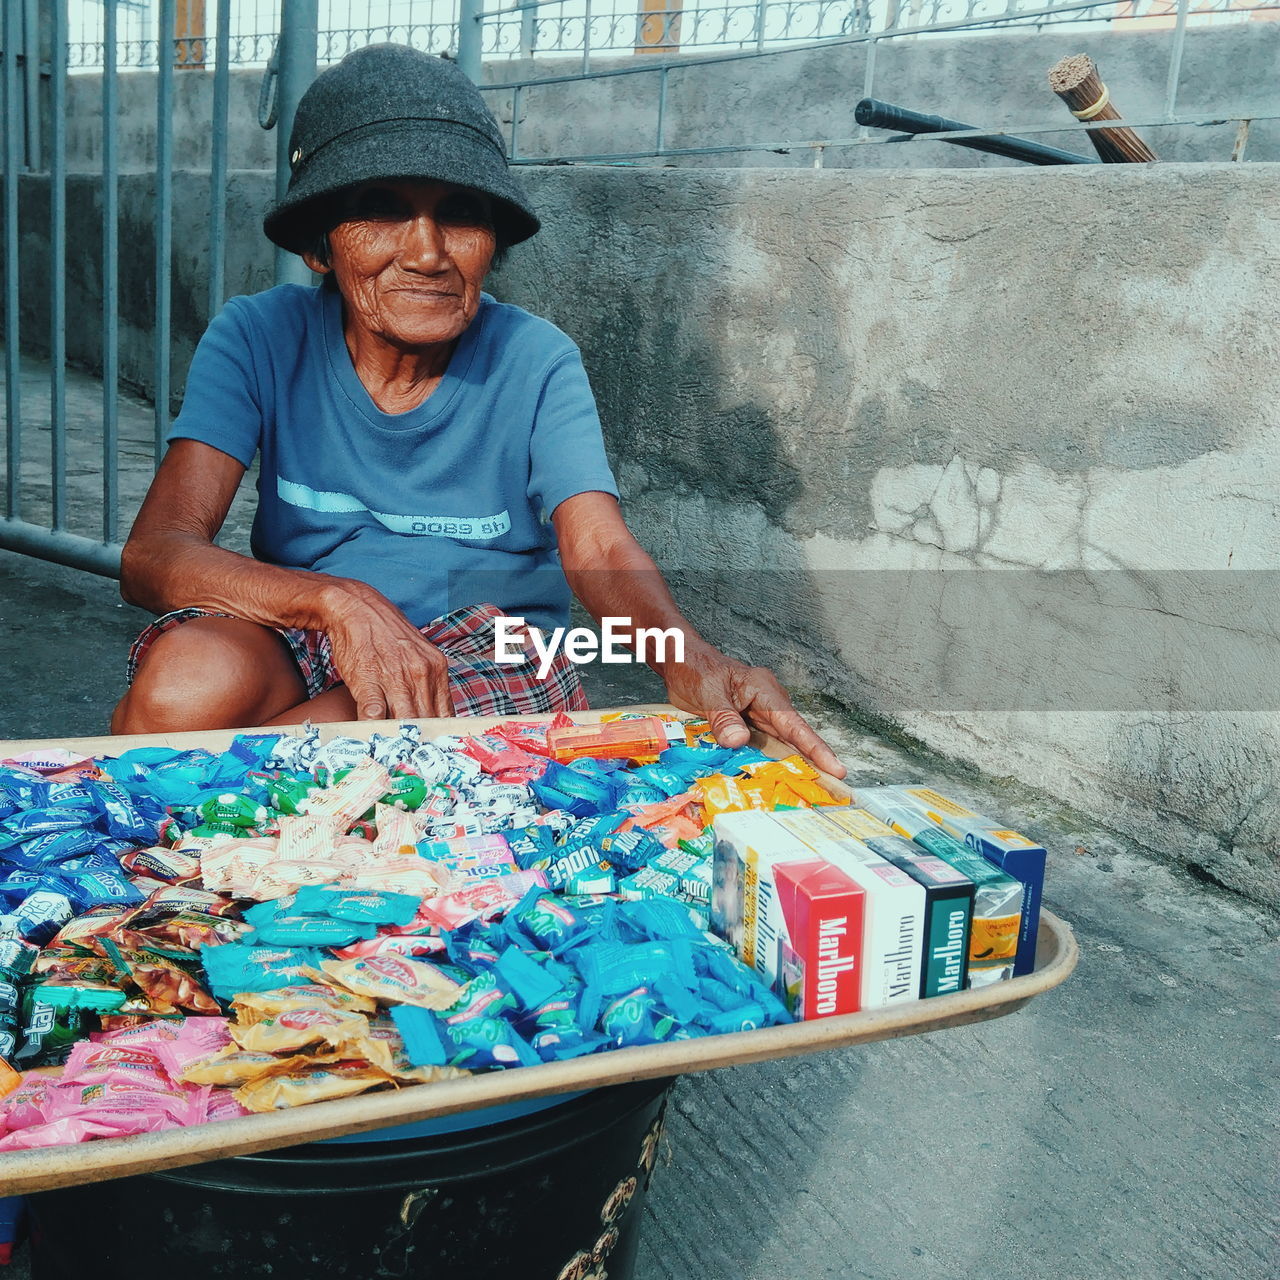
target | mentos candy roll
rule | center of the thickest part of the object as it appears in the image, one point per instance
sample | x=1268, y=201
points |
x=38, y=852
x=135, y=818
x=88, y=889
x=16, y=886
x=44, y=822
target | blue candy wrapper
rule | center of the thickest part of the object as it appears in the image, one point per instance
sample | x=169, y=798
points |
x=531, y=983
x=311, y=931
x=238, y=966
x=426, y=1042
x=367, y=906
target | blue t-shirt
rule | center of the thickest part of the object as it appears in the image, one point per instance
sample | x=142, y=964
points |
x=446, y=505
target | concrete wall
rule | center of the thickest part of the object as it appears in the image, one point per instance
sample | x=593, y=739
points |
x=994, y=80
x=989, y=457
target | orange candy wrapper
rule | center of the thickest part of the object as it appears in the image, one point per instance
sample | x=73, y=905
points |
x=296, y=1029
x=338, y=1080
x=253, y=1006
x=394, y=979
x=9, y=1079
x=644, y=736
x=231, y=1066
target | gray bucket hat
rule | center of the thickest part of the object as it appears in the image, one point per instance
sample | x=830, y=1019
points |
x=389, y=111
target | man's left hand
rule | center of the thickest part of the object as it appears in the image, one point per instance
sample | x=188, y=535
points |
x=734, y=699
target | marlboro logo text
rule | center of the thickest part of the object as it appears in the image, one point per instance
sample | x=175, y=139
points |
x=831, y=964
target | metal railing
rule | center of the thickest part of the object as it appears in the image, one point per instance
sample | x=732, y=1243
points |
x=550, y=28
x=54, y=541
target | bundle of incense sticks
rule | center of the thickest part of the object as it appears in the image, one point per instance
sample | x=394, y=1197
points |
x=1076, y=81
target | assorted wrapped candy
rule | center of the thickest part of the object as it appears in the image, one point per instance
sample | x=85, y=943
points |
x=192, y=935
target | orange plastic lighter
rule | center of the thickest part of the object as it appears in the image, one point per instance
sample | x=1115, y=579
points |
x=620, y=740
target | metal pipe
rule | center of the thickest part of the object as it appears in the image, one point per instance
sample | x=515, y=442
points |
x=165, y=53
x=12, y=336
x=869, y=77
x=662, y=110
x=528, y=28
x=31, y=79
x=218, y=162
x=299, y=37
x=110, y=279
x=470, y=36
x=62, y=548
x=58, y=260
x=883, y=115
x=1175, y=60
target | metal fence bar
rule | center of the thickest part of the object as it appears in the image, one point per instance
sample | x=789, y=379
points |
x=31, y=79
x=58, y=261
x=662, y=109
x=515, y=123
x=165, y=53
x=1175, y=60
x=869, y=78
x=110, y=279
x=12, y=358
x=470, y=37
x=218, y=161
x=60, y=547
x=299, y=35
x=586, y=38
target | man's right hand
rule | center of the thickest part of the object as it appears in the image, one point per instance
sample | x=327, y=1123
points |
x=390, y=669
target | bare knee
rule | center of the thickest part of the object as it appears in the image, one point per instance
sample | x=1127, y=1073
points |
x=210, y=673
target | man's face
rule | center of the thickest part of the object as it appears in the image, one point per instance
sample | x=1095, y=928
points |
x=410, y=257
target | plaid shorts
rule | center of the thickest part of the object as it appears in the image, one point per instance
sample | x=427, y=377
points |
x=479, y=685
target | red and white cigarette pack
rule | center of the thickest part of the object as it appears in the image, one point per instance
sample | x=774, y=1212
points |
x=793, y=917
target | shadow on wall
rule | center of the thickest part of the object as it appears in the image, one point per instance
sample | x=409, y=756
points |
x=708, y=484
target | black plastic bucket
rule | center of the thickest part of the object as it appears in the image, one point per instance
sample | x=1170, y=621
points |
x=553, y=1196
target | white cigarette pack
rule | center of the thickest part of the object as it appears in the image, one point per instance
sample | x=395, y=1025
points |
x=893, y=930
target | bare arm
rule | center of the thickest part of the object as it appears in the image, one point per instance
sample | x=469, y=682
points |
x=170, y=561
x=613, y=576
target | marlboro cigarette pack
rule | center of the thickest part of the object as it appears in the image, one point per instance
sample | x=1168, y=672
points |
x=893, y=932
x=997, y=903
x=948, y=899
x=1011, y=851
x=794, y=918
